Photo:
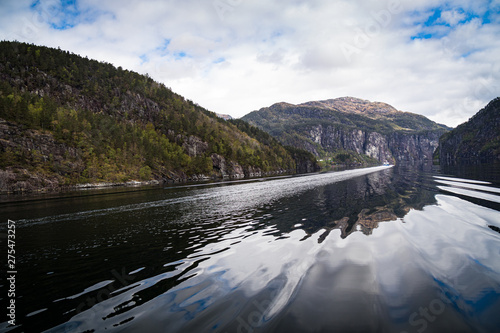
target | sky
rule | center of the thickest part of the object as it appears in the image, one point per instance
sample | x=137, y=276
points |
x=437, y=58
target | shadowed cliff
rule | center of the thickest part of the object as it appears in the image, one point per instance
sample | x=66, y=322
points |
x=476, y=141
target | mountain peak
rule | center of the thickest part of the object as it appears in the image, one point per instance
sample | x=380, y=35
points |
x=354, y=105
x=282, y=105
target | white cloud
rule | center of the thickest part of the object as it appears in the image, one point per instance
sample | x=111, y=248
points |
x=236, y=56
x=452, y=17
x=192, y=45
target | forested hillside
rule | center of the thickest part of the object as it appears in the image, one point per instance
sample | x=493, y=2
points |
x=65, y=120
x=476, y=141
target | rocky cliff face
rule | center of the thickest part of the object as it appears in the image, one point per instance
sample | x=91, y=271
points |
x=41, y=149
x=414, y=149
x=232, y=170
x=401, y=148
x=372, y=144
x=193, y=145
x=474, y=142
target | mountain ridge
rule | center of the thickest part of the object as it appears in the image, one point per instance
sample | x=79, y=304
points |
x=359, y=128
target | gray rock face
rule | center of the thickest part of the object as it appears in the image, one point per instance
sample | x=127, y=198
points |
x=414, y=149
x=194, y=146
x=37, y=147
x=227, y=169
x=232, y=170
x=397, y=147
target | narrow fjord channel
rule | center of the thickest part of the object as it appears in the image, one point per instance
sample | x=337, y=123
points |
x=382, y=249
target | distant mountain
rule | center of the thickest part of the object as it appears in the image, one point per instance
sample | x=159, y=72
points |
x=67, y=120
x=475, y=141
x=351, y=130
x=398, y=120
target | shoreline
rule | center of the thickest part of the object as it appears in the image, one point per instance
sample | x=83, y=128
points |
x=11, y=184
x=133, y=185
x=107, y=187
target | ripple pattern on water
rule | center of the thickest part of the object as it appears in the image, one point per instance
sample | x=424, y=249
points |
x=360, y=250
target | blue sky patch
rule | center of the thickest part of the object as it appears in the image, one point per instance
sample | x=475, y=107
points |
x=438, y=23
x=64, y=14
x=442, y=20
x=180, y=55
x=144, y=58
x=163, y=47
x=422, y=35
x=432, y=20
x=34, y=4
x=487, y=16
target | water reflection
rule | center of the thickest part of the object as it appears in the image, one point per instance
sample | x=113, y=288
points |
x=360, y=250
x=360, y=204
x=482, y=172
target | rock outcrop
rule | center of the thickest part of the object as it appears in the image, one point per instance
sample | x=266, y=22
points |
x=194, y=146
x=232, y=170
x=227, y=169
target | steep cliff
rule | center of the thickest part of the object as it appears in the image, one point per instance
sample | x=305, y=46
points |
x=474, y=142
x=414, y=148
x=364, y=130
x=334, y=138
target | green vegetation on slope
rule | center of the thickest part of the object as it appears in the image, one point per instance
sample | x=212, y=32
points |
x=283, y=117
x=475, y=141
x=346, y=157
x=117, y=124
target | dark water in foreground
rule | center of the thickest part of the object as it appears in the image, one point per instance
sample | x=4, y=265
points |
x=368, y=250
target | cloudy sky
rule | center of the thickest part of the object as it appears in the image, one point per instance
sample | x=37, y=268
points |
x=437, y=58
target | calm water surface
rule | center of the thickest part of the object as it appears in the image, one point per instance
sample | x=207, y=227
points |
x=382, y=249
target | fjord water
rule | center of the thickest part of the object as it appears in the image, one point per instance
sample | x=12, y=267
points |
x=382, y=249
